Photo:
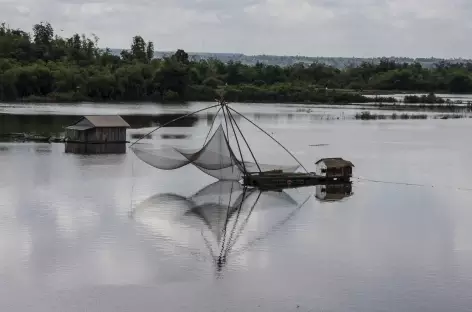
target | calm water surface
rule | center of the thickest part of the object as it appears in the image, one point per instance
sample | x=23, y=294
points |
x=109, y=233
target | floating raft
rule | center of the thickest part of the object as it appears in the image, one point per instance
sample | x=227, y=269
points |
x=277, y=179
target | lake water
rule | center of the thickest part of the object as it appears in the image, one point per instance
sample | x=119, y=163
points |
x=110, y=233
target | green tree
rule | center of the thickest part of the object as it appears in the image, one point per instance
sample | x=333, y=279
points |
x=46, y=66
x=181, y=56
x=149, y=51
x=460, y=83
x=138, y=49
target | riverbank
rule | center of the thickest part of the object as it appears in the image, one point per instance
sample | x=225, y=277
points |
x=427, y=103
x=285, y=93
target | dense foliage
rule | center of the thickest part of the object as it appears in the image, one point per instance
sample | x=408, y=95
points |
x=44, y=66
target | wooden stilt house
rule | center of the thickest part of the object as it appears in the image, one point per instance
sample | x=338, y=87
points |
x=98, y=129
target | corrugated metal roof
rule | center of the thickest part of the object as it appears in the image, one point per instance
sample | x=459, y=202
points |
x=108, y=121
x=335, y=162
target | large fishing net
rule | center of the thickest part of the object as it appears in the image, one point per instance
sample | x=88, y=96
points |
x=216, y=158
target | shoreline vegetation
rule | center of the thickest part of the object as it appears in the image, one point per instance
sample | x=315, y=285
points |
x=43, y=67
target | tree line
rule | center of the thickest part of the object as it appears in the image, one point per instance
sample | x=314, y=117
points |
x=42, y=66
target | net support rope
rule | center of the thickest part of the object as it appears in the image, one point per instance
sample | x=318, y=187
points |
x=235, y=136
x=212, y=124
x=280, y=144
x=413, y=184
x=174, y=120
x=244, y=138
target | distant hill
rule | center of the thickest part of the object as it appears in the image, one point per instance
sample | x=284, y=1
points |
x=338, y=62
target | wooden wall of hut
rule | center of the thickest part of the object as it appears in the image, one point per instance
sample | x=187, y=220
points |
x=95, y=135
x=75, y=135
x=91, y=149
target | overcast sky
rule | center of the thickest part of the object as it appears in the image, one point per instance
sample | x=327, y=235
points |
x=362, y=28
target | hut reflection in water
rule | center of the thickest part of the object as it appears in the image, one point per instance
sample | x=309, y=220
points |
x=98, y=148
x=333, y=192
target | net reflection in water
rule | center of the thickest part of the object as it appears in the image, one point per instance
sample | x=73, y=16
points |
x=214, y=218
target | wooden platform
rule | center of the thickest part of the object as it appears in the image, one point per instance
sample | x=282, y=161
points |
x=277, y=180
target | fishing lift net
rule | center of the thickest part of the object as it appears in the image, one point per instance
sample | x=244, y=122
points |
x=216, y=158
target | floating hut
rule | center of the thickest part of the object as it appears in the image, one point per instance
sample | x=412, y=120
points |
x=334, y=168
x=97, y=135
x=98, y=129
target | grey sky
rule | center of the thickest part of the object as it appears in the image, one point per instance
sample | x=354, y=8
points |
x=416, y=28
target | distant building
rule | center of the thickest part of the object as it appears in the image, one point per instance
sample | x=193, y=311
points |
x=97, y=135
x=336, y=168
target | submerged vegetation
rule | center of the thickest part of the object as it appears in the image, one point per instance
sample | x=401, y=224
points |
x=366, y=115
x=414, y=106
x=45, y=67
x=424, y=99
